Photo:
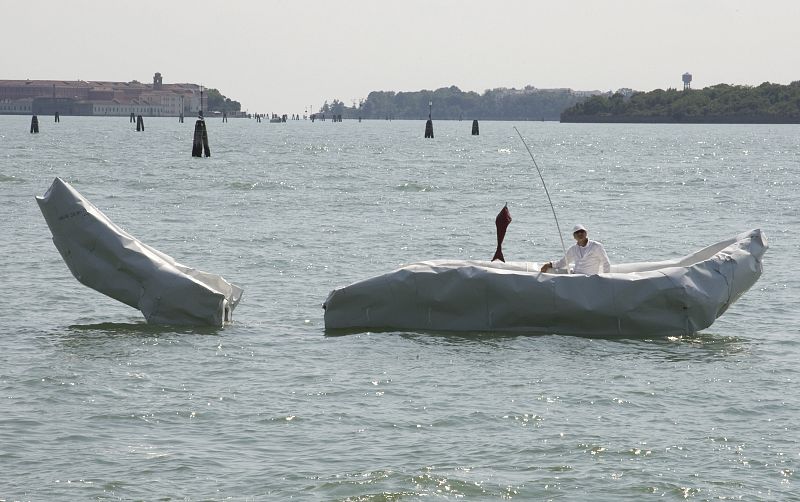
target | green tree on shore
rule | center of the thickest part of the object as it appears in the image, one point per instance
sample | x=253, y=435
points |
x=216, y=102
x=451, y=103
x=769, y=103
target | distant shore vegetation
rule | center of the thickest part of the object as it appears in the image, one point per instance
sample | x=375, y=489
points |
x=722, y=103
x=451, y=103
x=217, y=102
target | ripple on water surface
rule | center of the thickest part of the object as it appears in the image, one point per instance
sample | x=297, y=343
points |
x=98, y=404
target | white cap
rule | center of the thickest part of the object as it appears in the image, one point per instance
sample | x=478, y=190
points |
x=578, y=227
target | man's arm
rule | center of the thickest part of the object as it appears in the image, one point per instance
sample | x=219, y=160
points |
x=560, y=263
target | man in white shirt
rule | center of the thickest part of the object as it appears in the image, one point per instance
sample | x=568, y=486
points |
x=589, y=257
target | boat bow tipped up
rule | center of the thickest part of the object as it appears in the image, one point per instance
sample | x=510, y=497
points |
x=106, y=258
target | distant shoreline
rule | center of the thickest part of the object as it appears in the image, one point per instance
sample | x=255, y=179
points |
x=714, y=119
x=719, y=104
x=572, y=120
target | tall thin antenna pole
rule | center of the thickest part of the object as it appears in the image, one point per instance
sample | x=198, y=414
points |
x=563, y=247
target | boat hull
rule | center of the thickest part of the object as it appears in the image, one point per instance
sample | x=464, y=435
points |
x=642, y=299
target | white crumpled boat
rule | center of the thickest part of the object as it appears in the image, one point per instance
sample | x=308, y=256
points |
x=106, y=258
x=666, y=298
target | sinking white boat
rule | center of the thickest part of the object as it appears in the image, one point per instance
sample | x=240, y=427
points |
x=106, y=258
x=666, y=298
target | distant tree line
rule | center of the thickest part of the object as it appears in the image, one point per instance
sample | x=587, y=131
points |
x=451, y=103
x=219, y=103
x=721, y=103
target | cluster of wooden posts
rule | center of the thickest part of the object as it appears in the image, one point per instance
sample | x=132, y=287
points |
x=200, y=142
x=429, y=128
x=199, y=145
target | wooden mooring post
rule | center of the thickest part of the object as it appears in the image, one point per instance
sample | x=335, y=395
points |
x=200, y=144
x=429, y=129
x=429, y=123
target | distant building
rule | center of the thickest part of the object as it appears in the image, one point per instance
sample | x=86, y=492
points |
x=79, y=97
x=588, y=94
x=16, y=107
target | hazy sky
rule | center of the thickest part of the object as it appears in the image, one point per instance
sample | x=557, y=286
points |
x=285, y=56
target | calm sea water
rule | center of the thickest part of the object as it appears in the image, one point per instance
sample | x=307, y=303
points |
x=97, y=405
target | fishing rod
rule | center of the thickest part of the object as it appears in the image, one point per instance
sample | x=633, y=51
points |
x=563, y=247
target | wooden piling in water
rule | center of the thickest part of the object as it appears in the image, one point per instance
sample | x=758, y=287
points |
x=206, y=148
x=429, y=123
x=139, y=123
x=429, y=129
x=34, y=125
x=200, y=143
x=475, y=131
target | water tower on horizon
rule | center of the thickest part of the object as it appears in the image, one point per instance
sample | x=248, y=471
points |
x=687, y=81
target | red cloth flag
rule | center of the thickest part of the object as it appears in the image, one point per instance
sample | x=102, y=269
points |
x=502, y=221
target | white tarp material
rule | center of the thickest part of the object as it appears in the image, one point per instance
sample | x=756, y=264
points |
x=106, y=258
x=666, y=298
